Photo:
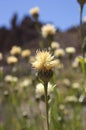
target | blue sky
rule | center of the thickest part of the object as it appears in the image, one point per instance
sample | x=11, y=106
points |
x=62, y=13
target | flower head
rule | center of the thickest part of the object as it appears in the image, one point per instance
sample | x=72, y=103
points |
x=8, y=78
x=26, y=53
x=44, y=64
x=12, y=60
x=25, y=83
x=48, y=30
x=34, y=12
x=76, y=85
x=71, y=99
x=66, y=82
x=70, y=50
x=16, y=50
x=11, y=79
x=59, y=53
x=55, y=45
x=40, y=89
x=44, y=61
x=75, y=64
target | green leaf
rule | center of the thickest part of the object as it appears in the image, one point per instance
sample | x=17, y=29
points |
x=82, y=62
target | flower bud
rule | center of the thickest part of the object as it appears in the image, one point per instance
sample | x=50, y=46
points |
x=81, y=2
x=45, y=76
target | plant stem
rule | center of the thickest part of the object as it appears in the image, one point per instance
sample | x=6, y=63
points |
x=81, y=33
x=81, y=36
x=46, y=101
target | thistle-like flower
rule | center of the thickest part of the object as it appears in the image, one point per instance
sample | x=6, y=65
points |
x=12, y=60
x=44, y=64
x=11, y=79
x=16, y=50
x=70, y=50
x=76, y=86
x=25, y=83
x=25, y=53
x=48, y=30
x=44, y=61
x=59, y=53
x=34, y=12
x=55, y=45
x=75, y=64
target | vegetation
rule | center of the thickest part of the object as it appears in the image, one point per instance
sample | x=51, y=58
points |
x=46, y=91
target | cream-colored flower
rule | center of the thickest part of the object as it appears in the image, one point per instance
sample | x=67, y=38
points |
x=55, y=45
x=61, y=107
x=34, y=11
x=66, y=82
x=25, y=53
x=14, y=79
x=16, y=50
x=25, y=83
x=10, y=79
x=77, y=59
x=59, y=53
x=48, y=30
x=40, y=89
x=70, y=50
x=71, y=99
x=1, y=56
x=44, y=61
x=50, y=88
x=75, y=64
x=76, y=85
x=12, y=60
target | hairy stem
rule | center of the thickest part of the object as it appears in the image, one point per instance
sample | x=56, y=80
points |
x=46, y=101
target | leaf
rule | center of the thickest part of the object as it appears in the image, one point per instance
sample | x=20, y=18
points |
x=82, y=62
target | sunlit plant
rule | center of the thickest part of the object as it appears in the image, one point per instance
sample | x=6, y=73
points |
x=44, y=64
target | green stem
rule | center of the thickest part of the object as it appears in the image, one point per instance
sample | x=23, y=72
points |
x=46, y=101
x=81, y=33
x=81, y=36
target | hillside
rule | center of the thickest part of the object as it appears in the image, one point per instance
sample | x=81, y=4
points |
x=25, y=34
